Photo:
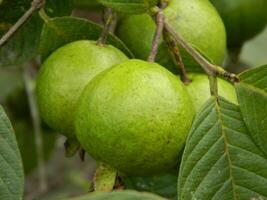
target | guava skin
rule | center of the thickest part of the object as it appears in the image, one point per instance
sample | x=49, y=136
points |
x=243, y=19
x=199, y=90
x=134, y=117
x=63, y=77
x=119, y=195
x=197, y=21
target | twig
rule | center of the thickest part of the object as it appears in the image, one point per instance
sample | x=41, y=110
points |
x=210, y=69
x=213, y=86
x=36, y=5
x=44, y=16
x=174, y=50
x=109, y=26
x=28, y=81
x=157, y=36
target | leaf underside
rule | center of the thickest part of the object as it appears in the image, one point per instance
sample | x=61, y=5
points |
x=221, y=162
x=11, y=170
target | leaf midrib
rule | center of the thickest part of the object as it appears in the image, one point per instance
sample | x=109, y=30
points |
x=254, y=88
x=226, y=149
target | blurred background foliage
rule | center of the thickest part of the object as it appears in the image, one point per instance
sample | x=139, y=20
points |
x=71, y=177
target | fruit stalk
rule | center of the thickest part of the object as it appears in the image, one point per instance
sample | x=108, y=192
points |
x=157, y=36
x=35, y=5
x=37, y=128
x=44, y=16
x=213, y=86
x=210, y=69
x=110, y=22
x=105, y=178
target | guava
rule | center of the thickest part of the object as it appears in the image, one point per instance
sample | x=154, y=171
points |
x=243, y=19
x=119, y=195
x=63, y=77
x=26, y=142
x=134, y=117
x=199, y=90
x=196, y=20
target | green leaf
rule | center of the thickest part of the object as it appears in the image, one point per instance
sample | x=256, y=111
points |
x=164, y=185
x=130, y=6
x=62, y=30
x=119, y=195
x=257, y=77
x=11, y=170
x=252, y=97
x=220, y=161
x=23, y=45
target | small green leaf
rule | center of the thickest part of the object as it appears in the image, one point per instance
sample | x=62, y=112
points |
x=252, y=97
x=164, y=185
x=130, y=6
x=220, y=161
x=62, y=30
x=11, y=170
x=119, y=195
x=23, y=45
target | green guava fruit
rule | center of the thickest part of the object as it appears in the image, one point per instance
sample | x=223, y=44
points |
x=243, y=19
x=196, y=20
x=63, y=77
x=120, y=195
x=26, y=142
x=199, y=90
x=135, y=117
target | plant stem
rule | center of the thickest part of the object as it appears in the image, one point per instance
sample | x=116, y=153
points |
x=36, y=5
x=210, y=69
x=44, y=16
x=105, y=178
x=29, y=85
x=109, y=26
x=213, y=86
x=174, y=50
x=157, y=36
